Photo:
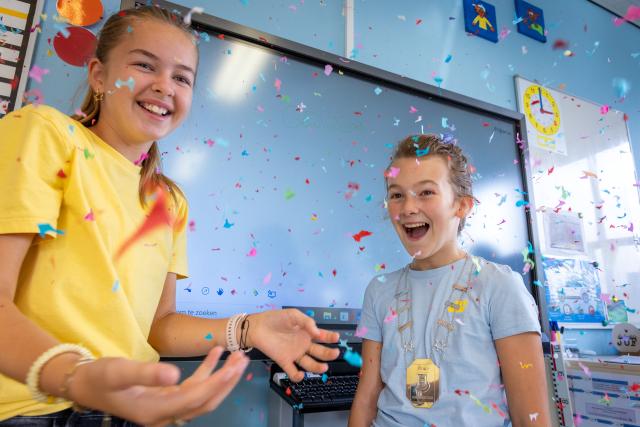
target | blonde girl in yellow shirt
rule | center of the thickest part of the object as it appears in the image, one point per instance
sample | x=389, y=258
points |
x=82, y=321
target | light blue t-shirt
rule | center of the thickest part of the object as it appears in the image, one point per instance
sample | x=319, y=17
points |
x=471, y=391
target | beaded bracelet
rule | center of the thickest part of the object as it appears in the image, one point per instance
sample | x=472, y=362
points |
x=33, y=377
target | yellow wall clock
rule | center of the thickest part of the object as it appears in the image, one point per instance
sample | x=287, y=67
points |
x=542, y=110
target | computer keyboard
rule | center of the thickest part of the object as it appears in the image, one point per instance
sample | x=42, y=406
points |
x=336, y=391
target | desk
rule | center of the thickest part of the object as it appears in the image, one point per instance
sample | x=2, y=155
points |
x=604, y=392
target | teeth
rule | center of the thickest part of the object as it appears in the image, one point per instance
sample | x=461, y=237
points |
x=420, y=224
x=154, y=108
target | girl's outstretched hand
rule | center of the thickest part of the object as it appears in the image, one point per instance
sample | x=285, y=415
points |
x=148, y=393
x=287, y=337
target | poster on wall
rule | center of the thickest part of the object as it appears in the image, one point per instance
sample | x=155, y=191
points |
x=572, y=291
x=563, y=233
x=17, y=41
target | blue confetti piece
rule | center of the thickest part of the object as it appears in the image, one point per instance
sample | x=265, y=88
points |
x=368, y=198
x=44, y=228
x=324, y=378
x=62, y=30
x=227, y=224
x=116, y=286
x=445, y=122
x=382, y=278
x=72, y=128
x=209, y=336
x=310, y=313
x=222, y=142
x=353, y=358
x=129, y=29
x=520, y=203
x=438, y=80
x=448, y=59
x=377, y=91
x=422, y=152
x=129, y=83
x=245, y=153
x=3, y=28
x=205, y=36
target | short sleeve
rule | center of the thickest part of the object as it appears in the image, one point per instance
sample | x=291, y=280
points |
x=179, y=264
x=512, y=309
x=370, y=326
x=34, y=156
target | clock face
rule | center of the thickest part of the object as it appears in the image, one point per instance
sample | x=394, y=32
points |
x=541, y=110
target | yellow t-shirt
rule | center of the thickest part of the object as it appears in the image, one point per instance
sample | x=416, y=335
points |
x=55, y=171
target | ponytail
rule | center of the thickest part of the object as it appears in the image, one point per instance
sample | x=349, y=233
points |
x=151, y=177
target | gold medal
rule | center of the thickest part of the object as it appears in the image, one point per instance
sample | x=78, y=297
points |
x=423, y=383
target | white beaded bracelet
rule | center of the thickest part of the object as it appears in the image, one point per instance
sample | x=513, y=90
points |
x=232, y=326
x=33, y=377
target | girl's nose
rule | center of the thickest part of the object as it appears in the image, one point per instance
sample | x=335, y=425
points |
x=163, y=85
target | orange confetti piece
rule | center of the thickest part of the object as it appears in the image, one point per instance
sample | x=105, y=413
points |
x=158, y=216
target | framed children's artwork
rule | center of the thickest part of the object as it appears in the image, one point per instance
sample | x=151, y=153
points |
x=480, y=19
x=530, y=21
x=572, y=288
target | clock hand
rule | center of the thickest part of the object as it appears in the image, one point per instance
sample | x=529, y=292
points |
x=540, y=98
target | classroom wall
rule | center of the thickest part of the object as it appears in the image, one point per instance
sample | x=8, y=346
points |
x=413, y=39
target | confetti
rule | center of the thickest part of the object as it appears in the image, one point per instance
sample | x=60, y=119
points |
x=361, y=331
x=227, y=224
x=377, y=91
x=448, y=59
x=328, y=69
x=130, y=83
x=157, y=217
x=353, y=358
x=116, y=286
x=45, y=228
x=187, y=17
x=392, y=172
x=209, y=336
x=253, y=252
x=36, y=73
x=363, y=233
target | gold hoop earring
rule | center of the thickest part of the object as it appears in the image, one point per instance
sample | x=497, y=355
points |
x=98, y=96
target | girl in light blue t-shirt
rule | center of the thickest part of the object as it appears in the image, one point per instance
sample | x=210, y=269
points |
x=446, y=337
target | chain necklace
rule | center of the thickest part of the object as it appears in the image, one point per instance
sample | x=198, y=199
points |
x=444, y=325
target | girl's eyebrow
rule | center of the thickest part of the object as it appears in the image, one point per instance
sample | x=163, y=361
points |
x=424, y=181
x=155, y=58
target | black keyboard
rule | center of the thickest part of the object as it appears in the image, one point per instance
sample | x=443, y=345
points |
x=313, y=393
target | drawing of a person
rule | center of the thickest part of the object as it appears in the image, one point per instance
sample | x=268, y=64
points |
x=531, y=19
x=481, y=19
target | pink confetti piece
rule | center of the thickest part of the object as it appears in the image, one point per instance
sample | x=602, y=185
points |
x=266, y=279
x=252, y=252
x=586, y=369
x=141, y=159
x=361, y=331
x=391, y=316
x=278, y=84
x=36, y=73
x=604, y=109
x=89, y=216
x=392, y=172
x=328, y=69
x=633, y=14
x=413, y=109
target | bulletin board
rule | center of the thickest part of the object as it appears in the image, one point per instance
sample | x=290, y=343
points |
x=585, y=189
x=17, y=41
